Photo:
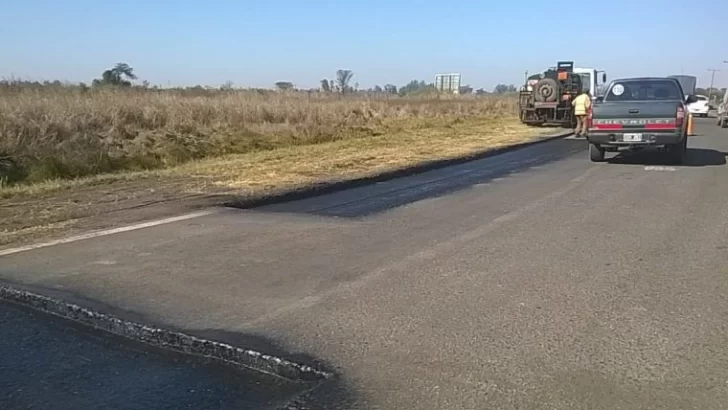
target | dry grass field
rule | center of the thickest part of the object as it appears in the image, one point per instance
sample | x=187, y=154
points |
x=69, y=153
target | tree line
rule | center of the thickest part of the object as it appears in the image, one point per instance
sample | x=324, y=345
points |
x=716, y=94
x=342, y=84
x=122, y=75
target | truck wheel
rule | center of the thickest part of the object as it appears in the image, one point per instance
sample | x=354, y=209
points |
x=546, y=90
x=724, y=122
x=596, y=153
x=677, y=151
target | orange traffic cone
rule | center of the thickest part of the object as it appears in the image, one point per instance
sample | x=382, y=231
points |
x=691, y=125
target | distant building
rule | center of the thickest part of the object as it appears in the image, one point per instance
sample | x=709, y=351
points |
x=449, y=83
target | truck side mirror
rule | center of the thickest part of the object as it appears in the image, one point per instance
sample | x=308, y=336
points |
x=604, y=77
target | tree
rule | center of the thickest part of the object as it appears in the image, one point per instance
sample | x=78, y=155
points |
x=390, y=89
x=343, y=78
x=409, y=88
x=415, y=86
x=284, y=85
x=466, y=89
x=377, y=89
x=227, y=86
x=120, y=75
x=716, y=95
x=503, y=88
x=325, y=86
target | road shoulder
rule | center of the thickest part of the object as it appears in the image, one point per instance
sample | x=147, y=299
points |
x=108, y=202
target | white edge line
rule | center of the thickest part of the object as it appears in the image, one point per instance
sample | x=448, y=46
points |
x=659, y=168
x=106, y=232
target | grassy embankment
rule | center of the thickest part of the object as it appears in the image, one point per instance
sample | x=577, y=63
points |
x=132, y=145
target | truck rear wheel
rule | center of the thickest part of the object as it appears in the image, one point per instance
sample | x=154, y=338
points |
x=677, y=151
x=596, y=153
x=546, y=90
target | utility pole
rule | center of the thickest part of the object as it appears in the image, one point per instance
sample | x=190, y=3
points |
x=712, y=78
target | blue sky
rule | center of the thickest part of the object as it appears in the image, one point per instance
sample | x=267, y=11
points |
x=256, y=43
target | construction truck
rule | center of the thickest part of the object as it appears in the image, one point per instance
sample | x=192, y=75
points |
x=546, y=98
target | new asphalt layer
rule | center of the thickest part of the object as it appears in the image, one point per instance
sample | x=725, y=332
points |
x=530, y=280
x=48, y=363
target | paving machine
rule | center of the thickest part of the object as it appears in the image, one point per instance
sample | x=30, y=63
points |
x=546, y=98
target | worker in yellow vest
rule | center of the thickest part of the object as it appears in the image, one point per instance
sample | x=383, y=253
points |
x=581, y=105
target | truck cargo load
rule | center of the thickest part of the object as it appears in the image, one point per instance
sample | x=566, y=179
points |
x=688, y=83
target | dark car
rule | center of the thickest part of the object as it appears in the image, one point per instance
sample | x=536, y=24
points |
x=637, y=113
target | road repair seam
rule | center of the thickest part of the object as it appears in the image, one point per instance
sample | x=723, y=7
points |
x=166, y=339
x=106, y=232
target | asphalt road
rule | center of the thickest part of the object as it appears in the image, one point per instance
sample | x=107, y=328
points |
x=47, y=363
x=507, y=283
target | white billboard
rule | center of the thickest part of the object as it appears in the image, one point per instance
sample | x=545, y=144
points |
x=449, y=83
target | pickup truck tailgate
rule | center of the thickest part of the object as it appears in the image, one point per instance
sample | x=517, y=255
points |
x=635, y=116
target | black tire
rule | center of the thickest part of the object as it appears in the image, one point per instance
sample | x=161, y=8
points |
x=596, y=153
x=677, y=152
x=546, y=90
x=724, y=122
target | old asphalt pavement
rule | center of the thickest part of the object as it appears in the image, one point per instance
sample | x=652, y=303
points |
x=531, y=280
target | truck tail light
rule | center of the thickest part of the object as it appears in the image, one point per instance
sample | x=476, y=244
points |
x=679, y=116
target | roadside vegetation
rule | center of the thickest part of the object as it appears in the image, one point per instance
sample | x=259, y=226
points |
x=71, y=139
x=55, y=131
x=51, y=134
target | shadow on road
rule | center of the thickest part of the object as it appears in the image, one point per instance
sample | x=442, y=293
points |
x=695, y=157
x=372, y=199
x=330, y=394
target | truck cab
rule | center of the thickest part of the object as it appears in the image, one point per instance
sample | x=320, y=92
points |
x=593, y=79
